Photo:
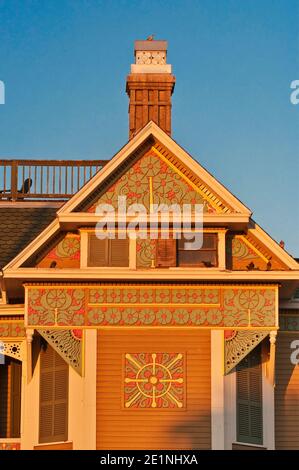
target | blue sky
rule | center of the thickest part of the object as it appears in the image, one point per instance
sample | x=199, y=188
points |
x=64, y=65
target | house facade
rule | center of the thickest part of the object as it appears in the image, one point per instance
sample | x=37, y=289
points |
x=142, y=341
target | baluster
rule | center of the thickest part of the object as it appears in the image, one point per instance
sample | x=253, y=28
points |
x=14, y=180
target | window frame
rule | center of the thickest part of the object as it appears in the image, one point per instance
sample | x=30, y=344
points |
x=214, y=250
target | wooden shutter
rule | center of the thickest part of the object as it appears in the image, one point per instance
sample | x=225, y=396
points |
x=166, y=253
x=119, y=252
x=4, y=399
x=54, y=379
x=97, y=251
x=10, y=398
x=249, y=399
x=15, y=403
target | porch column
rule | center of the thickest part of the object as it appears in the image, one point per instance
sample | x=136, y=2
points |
x=217, y=390
x=268, y=395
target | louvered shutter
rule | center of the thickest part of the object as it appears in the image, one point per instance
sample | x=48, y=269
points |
x=15, y=403
x=4, y=397
x=53, y=397
x=97, y=251
x=166, y=253
x=249, y=399
x=119, y=252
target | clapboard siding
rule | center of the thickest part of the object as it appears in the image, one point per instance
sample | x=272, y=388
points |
x=118, y=428
x=286, y=395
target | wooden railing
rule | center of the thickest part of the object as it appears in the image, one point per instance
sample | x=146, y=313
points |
x=45, y=179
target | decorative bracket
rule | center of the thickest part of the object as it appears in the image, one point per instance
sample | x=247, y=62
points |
x=15, y=349
x=237, y=344
x=68, y=344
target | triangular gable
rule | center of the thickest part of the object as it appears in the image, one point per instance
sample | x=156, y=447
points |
x=149, y=142
x=153, y=179
x=152, y=138
x=249, y=253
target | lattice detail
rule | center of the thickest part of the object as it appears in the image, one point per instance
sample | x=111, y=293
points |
x=68, y=344
x=13, y=349
x=154, y=380
x=237, y=344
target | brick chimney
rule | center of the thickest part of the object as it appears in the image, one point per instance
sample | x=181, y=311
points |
x=150, y=86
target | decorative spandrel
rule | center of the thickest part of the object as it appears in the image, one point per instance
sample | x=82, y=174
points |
x=154, y=380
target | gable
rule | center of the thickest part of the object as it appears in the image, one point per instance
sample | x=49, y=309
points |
x=247, y=253
x=65, y=253
x=153, y=179
x=153, y=168
x=188, y=174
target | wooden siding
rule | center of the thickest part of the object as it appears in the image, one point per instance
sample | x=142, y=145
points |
x=286, y=394
x=120, y=428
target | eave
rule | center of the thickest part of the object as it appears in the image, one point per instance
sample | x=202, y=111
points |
x=73, y=221
x=170, y=274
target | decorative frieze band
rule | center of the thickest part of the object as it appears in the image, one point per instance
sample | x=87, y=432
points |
x=242, y=306
x=12, y=329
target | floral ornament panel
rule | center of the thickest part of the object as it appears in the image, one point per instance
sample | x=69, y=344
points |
x=247, y=253
x=145, y=253
x=13, y=329
x=243, y=255
x=56, y=306
x=66, y=254
x=154, y=380
x=237, y=344
x=167, y=186
x=152, y=305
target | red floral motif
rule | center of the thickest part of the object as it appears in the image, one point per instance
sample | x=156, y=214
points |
x=230, y=307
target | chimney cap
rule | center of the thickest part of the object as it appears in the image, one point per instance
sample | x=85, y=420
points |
x=150, y=45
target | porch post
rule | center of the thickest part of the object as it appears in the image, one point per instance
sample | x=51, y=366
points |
x=217, y=390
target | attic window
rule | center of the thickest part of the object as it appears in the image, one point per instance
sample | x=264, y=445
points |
x=107, y=252
x=173, y=253
x=206, y=256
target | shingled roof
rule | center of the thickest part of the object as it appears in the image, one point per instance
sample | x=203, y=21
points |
x=19, y=226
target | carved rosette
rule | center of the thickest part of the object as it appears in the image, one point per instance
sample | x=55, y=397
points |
x=154, y=380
